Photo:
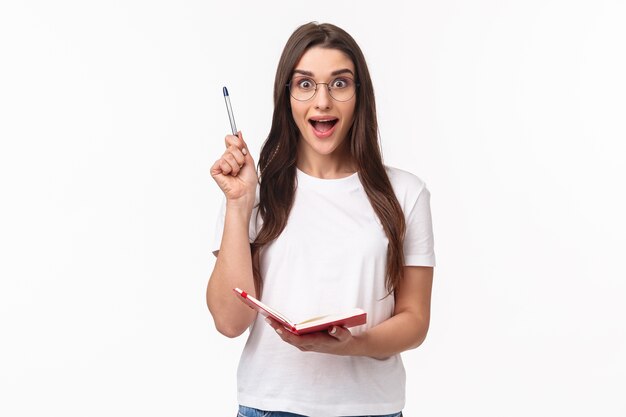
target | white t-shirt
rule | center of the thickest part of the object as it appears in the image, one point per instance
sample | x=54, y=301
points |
x=330, y=257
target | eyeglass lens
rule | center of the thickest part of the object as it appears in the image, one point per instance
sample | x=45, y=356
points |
x=340, y=89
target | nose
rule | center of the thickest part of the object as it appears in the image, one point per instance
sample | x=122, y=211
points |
x=322, y=97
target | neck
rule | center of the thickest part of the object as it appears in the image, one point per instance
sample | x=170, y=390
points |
x=338, y=164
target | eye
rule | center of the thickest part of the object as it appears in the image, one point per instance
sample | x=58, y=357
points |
x=305, y=84
x=340, y=83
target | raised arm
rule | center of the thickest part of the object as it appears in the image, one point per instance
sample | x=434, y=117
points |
x=236, y=176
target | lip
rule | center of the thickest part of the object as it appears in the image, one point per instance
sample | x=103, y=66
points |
x=329, y=132
x=327, y=117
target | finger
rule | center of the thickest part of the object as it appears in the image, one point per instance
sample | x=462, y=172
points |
x=225, y=166
x=339, y=333
x=240, y=137
x=281, y=331
x=235, y=140
x=273, y=323
x=244, y=145
x=230, y=160
x=239, y=156
x=276, y=325
x=290, y=338
x=216, y=168
x=239, y=142
x=231, y=140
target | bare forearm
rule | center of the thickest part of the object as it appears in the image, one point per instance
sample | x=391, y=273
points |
x=233, y=268
x=401, y=332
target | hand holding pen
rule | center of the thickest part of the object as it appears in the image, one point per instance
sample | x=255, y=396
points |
x=234, y=172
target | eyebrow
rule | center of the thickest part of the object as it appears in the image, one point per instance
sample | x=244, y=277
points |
x=337, y=72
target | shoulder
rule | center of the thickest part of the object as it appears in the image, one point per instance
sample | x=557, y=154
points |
x=406, y=186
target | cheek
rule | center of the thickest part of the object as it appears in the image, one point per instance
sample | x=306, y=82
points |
x=349, y=117
x=298, y=114
x=296, y=107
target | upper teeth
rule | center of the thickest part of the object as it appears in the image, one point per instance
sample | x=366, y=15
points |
x=327, y=120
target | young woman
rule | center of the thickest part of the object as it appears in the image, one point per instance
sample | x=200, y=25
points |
x=325, y=228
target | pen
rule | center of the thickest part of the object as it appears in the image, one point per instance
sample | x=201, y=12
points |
x=230, y=112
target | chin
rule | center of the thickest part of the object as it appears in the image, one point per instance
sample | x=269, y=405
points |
x=322, y=148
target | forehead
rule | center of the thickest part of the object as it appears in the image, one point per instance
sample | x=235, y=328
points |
x=323, y=61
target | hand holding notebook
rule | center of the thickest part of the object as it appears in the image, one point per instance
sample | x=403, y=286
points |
x=350, y=318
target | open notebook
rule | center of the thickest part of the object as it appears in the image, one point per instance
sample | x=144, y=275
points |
x=350, y=318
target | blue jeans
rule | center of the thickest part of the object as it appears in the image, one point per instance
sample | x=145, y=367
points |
x=253, y=412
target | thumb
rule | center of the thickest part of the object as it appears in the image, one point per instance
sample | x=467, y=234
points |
x=339, y=333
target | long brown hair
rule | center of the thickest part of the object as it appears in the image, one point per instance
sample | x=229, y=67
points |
x=277, y=162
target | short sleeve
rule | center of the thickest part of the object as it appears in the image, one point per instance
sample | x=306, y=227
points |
x=219, y=227
x=419, y=245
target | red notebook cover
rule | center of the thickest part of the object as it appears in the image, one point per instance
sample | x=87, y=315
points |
x=351, y=318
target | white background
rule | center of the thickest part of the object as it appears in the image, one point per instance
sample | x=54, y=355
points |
x=111, y=114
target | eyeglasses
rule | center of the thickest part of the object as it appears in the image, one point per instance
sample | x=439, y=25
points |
x=340, y=89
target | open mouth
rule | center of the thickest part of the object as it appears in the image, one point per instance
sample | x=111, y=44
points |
x=323, y=125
